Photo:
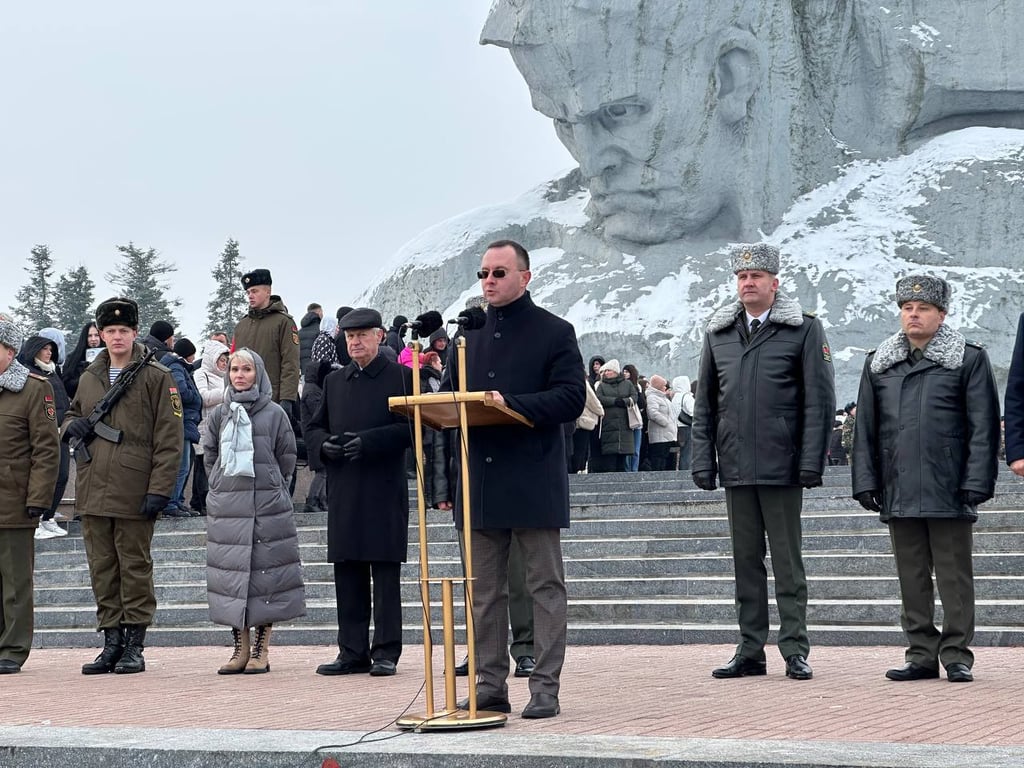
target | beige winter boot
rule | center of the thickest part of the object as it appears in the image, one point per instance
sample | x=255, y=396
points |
x=259, y=661
x=240, y=656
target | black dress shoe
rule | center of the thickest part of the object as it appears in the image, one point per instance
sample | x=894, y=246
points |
x=488, y=704
x=741, y=666
x=541, y=705
x=383, y=668
x=339, y=667
x=958, y=672
x=8, y=667
x=797, y=668
x=525, y=666
x=912, y=671
x=462, y=670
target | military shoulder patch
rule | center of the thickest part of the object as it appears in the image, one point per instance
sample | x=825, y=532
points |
x=175, y=401
x=48, y=408
x=975, y=344
x=295, y=336
x=810, y=314
x=826, y=353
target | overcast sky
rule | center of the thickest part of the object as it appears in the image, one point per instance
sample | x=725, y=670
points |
x=320, y=135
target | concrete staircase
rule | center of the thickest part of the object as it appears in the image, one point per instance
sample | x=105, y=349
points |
x=647, y=560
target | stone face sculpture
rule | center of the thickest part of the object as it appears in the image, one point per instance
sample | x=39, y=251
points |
x=683, y=114
x=867, y=141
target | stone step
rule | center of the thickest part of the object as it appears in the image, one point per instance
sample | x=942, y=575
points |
x=819, y=587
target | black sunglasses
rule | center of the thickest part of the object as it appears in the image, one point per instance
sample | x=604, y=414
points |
x=498, y=273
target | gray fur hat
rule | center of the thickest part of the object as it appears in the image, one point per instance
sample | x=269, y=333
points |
x=759, y=256
x=933, y=290
x=10, y=334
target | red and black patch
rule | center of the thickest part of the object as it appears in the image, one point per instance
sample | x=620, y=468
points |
x=175, y=401
x=826, y=354
x=295, y=337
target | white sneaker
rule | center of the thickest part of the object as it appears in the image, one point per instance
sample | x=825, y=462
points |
x=51, y=529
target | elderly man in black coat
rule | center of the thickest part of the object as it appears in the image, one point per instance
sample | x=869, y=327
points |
x=363, y=444
x=925, y=456
x=519, y=485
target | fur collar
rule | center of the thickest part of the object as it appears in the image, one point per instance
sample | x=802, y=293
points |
x=14, y=378
x=946, y=349
x=785, y=311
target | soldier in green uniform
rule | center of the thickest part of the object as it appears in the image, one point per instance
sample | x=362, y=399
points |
x=28, y=434
x=269, y=331
x=762, y=424
x=124, y=486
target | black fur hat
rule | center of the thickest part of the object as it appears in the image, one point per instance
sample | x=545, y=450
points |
x=118, y=310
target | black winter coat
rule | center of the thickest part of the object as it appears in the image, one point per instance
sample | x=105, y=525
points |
x=368, y=499
x=926, y=431
x=309, y=329
x=518, y=476
x=763, y=411
x=1014, y=411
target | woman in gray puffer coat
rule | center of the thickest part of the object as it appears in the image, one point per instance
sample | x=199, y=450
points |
x=253, y=570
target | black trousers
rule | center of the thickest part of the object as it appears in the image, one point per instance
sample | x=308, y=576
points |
x=200, y=483
x=580, y=449
x=352, y=593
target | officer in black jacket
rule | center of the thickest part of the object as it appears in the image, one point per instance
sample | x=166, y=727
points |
x=925, y=456
x=762, y=421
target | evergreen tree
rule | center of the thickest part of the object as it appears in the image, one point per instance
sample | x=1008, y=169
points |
x=228, y=303
x=35, y=299
x=138, y=278
x=74, y=304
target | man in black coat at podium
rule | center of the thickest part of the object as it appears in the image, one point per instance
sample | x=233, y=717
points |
x=519, y=485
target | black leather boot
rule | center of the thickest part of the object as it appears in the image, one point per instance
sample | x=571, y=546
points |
x=131, y=660
x=113, y=648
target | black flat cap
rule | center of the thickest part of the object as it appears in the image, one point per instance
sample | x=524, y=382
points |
x=361, y=317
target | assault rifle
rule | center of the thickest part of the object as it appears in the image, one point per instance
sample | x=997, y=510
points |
x=98, y=427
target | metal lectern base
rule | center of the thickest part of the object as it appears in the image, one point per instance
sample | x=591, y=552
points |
x=452, y=721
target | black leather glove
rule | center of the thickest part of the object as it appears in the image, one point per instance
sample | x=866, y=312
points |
x=153, y=505
x=704, y=480
x=870, y=500
x=35, y=512
x=331, y=450
x=619, y=402
x=810, y=479
x=973, y=498
x=77, y=428
x=354, y=447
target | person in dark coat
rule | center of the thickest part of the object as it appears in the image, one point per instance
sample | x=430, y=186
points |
x=924, y=457
x=309, y=403
x=1013, y=413
x=41, y=355
x=362, y=444
x=309, y=329
x=160, y=338
x=530, y=360
x=179, y=363
x=340, y=346
x=615, y=393
x=88, y=346
x=396, y=334
x=761, y=423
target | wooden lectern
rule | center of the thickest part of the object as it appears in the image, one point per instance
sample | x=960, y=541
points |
x=444, y=410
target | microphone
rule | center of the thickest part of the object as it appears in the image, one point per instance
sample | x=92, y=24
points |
x=471, y=319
